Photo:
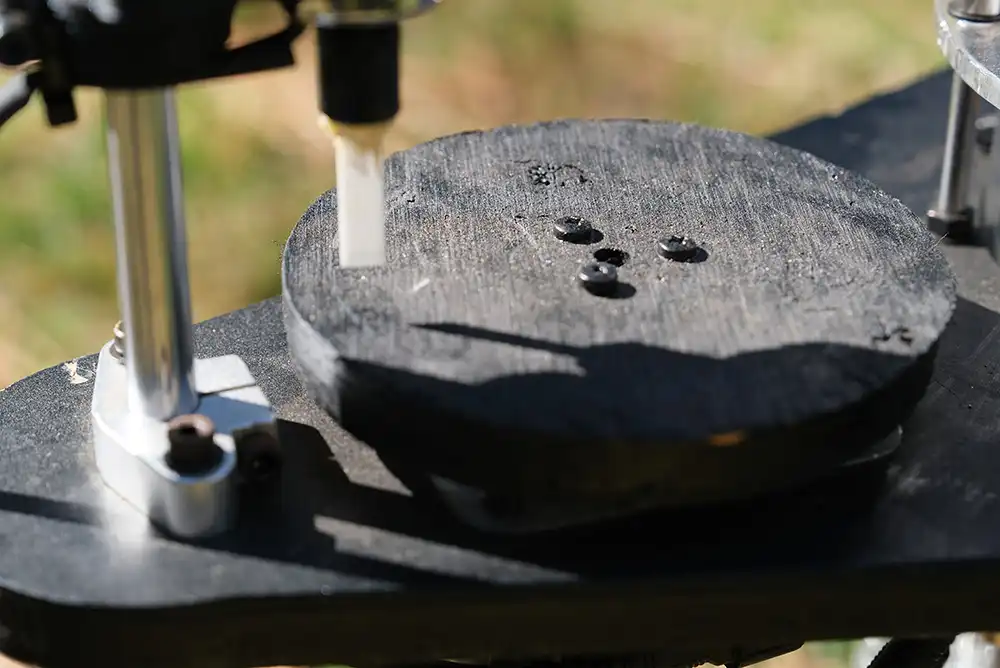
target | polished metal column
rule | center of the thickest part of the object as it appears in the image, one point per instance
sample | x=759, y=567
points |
x=953, y=196
x=153, y=293
x=975, y=9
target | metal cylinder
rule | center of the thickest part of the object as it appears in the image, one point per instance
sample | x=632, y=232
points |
x=975, y=9
x=956, y=171
x=153, y=293
x=362, y=12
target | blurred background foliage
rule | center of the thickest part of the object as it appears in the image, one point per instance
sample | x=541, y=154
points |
x=254, y=157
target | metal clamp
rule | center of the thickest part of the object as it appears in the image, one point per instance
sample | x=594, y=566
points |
x=171, y=434
x=139, y=456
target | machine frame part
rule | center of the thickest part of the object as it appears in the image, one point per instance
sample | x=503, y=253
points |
x=969, y=36
x=141, y=386
x=144, y=162
x=132, y=450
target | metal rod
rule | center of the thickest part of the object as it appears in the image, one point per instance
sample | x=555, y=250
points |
x=975, y=9
x=154, y=298
x=956, y=172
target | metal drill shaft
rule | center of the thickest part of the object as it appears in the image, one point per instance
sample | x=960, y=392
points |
x=153, y=293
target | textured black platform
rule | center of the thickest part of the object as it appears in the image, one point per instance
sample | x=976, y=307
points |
x=351, y=569
x=800, y=332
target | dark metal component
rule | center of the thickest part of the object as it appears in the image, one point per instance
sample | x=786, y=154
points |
x=599, y=278
x=575, y=230
x=913, y=653
x=358, y=71
x=258, y=453
x=193, y=449
x=131, y=44
x=677, y=248
x=956, y=227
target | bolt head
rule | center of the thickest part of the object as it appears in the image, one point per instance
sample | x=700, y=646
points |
x=574, y=230
x=193, y=449
x=599, y=278
x=258, y=453
x=677, y=248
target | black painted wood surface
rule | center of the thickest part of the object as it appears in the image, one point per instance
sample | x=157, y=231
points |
x=350, y=568
x=800, y=332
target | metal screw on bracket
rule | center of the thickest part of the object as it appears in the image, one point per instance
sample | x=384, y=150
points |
x=258, y=453
x=677, y=248
x=599, y=278
x=193, y=449
x=574, y=230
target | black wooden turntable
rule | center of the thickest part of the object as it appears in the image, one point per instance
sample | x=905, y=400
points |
x=768, y=318
x=774, y=321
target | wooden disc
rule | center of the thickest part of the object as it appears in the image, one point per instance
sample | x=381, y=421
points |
x=799, y=329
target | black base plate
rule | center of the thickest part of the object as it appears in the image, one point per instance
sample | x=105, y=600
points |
x=350, y=568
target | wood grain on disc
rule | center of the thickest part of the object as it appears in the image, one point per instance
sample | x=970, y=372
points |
x=803, y=329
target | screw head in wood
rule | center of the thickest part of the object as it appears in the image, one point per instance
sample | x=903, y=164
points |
x=677, y=248
x=573, y=229
x=599, y=278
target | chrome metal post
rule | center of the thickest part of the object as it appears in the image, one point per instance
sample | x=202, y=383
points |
x=154, y=297
x=953, y=203
x=975, y=9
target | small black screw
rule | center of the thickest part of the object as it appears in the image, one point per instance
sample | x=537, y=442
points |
x=258, y=453
x=599, y=278
x=574, y=230
x=677, y=248
x=193, y=449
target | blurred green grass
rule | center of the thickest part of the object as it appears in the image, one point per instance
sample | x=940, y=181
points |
x=254, y=158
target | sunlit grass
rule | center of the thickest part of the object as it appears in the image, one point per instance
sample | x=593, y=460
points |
x=254, y=159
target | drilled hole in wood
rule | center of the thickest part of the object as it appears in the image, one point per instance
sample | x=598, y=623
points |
x=611, y=256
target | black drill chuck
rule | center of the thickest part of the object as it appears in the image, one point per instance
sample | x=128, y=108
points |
x=358, y=71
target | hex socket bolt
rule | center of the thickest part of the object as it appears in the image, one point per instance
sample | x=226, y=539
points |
x=193, y=450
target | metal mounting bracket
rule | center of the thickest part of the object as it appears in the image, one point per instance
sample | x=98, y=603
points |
x=131, y=449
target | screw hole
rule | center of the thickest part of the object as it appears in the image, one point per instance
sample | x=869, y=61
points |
x=263, y=467
x=612, y=256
